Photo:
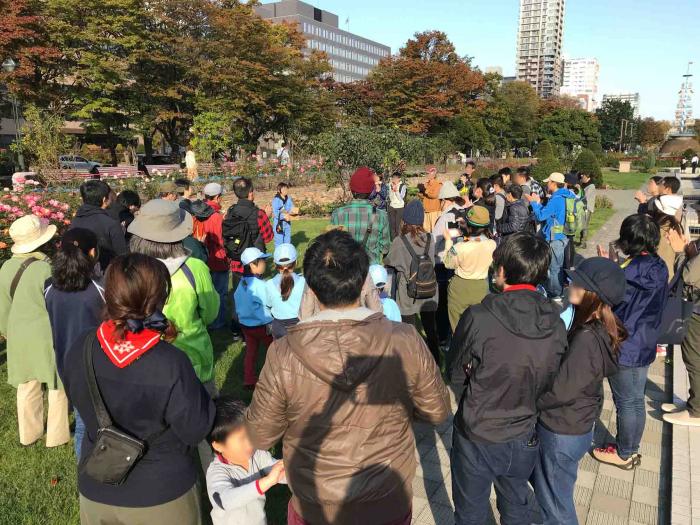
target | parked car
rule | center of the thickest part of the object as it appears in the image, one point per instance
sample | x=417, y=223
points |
x=76, y=162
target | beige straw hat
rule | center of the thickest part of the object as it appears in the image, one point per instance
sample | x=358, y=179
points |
x=29, y=233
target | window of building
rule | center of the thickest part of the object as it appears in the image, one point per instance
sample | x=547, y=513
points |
x=318, y=15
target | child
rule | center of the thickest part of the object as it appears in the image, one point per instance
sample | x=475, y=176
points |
x=284, y=291
x=253, y=315
x=282, y=206
x=380, y=277
x=239, y=476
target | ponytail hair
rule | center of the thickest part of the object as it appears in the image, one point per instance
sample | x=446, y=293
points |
x=73, y=267
x=287, y=283
x=593, y=309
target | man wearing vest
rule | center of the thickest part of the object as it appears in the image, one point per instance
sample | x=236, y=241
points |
x=367, y=225
x=552, y=218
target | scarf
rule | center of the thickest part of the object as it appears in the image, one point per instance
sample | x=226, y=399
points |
x=140, y=336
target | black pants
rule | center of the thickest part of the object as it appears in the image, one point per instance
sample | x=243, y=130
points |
x=570, y=253
x=443, y=276
x=429, y=322
x=695, y=167
x=394, y=221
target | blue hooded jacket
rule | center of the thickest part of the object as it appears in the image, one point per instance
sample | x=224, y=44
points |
x=642, y=309
x=553, y=212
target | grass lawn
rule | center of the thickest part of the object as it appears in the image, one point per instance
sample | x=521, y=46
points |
x=624, y=181
x=600, y=217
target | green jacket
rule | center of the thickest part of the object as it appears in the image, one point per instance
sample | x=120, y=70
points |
x=355, y=218
x=191, y=310
x=24, y=322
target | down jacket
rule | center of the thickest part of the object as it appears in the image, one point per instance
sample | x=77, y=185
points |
x=517, y=219
x=343, y=394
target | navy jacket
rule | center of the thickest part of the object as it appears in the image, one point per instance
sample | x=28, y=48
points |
x=642, y=309
x=109, y=232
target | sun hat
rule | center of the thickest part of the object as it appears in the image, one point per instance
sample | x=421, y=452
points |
x=362, y=181
x=379, y=275
x=414, y=213
x=601, y=276
x=30, y=232
x=478, y=216
x=669, y=204
x=252, y=254
x=556, y=177
x=285, y=254
x=161, y=221
x=448, y=191
x=167, y=187
x=213, y=189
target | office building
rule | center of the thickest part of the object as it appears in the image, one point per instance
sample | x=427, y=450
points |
x=540, y=36
x=632, y=98
x=580, y=81
x=351, y=56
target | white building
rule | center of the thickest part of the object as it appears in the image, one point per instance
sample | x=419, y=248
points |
x=540, y=37
x=351, y=56
x=580, y=80
x=632, y=98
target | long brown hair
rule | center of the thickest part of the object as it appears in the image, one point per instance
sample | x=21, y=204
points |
x=136, y=286
x=414, y=231
x=287, y=282
x=593, y=309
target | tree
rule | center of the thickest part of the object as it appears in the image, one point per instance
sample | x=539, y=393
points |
x=520, y=104
x=652, y=132
x=425, y=85
x=587, y=162
x=468, y=132
x=43, y=142
x=548, y=105
x=610, y=116
x=545, y=149
x=569, y=128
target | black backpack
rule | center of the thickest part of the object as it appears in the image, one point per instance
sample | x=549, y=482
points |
x=237, y=233
x=422, y=283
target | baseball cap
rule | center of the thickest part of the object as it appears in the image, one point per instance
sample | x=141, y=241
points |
x=378, y=274
x=252, y=254
x=285, y=254
x=555, y=177
x=571, y=178
x=213, y=189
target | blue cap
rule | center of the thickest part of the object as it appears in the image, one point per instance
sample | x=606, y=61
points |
x=285, y=254
x=252, y=254
x=378, y=274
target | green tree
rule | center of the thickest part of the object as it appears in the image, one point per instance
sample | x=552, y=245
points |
x=545, y=149
x=610, y=116
x=569, y=128
x=587, y=162
x=652, y=132
x=469, y=133
x=43, y=142
x=519, y=103
x=211, y=134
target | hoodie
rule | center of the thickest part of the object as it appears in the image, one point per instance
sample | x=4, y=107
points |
x=553, y=215
x=511, y=346
x=110, y=234
x=342, y=390
x=573, y=403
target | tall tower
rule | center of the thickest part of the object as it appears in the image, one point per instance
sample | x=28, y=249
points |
x=684, y=109
x=540, y=37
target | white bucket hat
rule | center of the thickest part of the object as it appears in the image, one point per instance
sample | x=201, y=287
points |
x=30, y=232
x=161, y=221
x=669, y=204
x=448, y=191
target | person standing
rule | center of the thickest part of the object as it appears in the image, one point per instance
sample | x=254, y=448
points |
x=397, y=200
x=589, y=197
x=641, y=312
x=694, y=162
x=191, y=164
x=494, y=438
x=517, y=215
x=341, y=391
x=569, y=409
x=684, y=164
x=367, y=225
x=380, y=193
x=25, y=324
x=217, y=262
x=282, y=206
x=429, y=192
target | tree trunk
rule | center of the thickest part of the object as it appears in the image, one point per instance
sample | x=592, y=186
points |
x=148, y=148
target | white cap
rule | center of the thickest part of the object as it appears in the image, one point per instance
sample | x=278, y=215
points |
x=669, y=204
x=213, y=189
x=285, y=254
x=379, y=275
x=252, y=254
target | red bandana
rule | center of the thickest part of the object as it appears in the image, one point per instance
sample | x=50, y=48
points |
x=517, y=287
x=124, y=352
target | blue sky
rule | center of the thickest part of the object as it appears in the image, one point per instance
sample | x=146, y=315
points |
x=642, y=45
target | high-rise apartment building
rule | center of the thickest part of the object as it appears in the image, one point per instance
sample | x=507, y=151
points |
x=351, y=56
x=580, y=80
x=540, y=36
x=632, y=98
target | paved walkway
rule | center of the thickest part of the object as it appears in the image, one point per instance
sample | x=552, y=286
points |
x=604, y=495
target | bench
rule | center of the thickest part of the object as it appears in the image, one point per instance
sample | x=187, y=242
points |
x=118, y=172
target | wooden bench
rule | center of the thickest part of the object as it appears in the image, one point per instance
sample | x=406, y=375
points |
x=117, y=172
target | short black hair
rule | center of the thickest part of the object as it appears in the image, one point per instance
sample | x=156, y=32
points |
x=129, y=198
x=242, y=187
x=94, y=192
x=335, y=267
x=525, y=259
x=638, y=233
x=471, y=163
x=505, y=171
x=515, y=190
x=230, y=416
x=657, y=179
x=672, y=183
x=360, y=196
x=497, y=179
x=523, y=170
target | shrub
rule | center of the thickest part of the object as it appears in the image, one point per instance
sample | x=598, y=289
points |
x=689, y=153
x=597, y=150
x=545, y=167
x=546, y=149
x=587, y=162
x=601, y=201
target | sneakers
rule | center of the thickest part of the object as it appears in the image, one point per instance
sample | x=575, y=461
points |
x=661, y=350
x=609, y=456
x=669, y=408
x=682, y=417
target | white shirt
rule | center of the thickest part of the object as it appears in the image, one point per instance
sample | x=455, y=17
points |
x=695, y=159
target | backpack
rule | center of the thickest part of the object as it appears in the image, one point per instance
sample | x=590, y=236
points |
x=574, y=215
x=237, y=233
x=422, y=282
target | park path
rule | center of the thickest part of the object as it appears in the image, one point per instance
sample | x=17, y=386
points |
x=604, y=495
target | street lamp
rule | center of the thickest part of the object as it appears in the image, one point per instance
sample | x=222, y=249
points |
x=8, y=66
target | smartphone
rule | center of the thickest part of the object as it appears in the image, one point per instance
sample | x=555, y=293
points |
x=612, y=252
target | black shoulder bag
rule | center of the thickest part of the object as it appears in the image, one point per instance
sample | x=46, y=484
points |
x=115, y=452
x=676, y=315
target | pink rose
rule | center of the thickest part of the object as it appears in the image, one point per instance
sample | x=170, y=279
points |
x=14, y=198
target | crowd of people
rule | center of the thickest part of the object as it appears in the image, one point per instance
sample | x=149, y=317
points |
x=474, y=285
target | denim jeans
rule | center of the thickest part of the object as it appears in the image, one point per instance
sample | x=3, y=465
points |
x=220, y=280
x=628, y=394
x=78, y=434
x=476, y=466
x=555, y=474
x=555, y=277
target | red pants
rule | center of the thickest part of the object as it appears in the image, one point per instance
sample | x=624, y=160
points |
x=254, y=337
x=294, y=519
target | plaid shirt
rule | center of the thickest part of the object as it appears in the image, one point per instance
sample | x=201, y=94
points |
x=355, y=218
x=266, y=234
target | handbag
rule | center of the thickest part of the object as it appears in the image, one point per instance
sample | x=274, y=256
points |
x=676, y=315
x=116, y=452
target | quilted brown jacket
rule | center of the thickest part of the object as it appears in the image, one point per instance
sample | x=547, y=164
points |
x=342, y=396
